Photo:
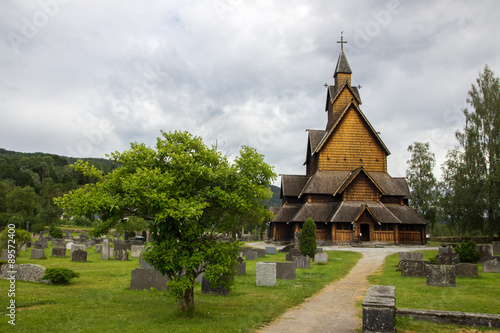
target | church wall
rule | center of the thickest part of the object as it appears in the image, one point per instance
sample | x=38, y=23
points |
x=361, y=188
x=312, y=166
x=336, y=109
x=340, y=79
x=352, y=145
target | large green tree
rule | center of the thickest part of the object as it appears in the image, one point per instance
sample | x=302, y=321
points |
x=421, y=180
x=480, y=140
x=189, y=194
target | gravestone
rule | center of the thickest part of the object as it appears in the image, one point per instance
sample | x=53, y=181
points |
x=266, y=274
x=413, y=268
x=251, y=255
x=445, y=250
x=496, y=248
x=292, y=253
x=120, y=246
x=296, y=239
x=148, y=278
x=467, y=270
x=270, y=250
x=449, y=258
x=207, y=288
x=486, y=251
x=5, y=255
x=98, y=248
x=241, y=267
x=144, y=264
x=379, y=309
x=134, y=242
x=319, y=250
x=76, y=247
x=79, y=255
x=286, y=249
x=301, y=261
x=441, y=275
x=68, y=236
x=57, y=242
x=24, y=272
x=37, y=253
x=23, y=247
x=245, y=249
x=321, y=257
x=492, y=265
x=59, y=251
x=136, y=250
x=411, y=256
x=105, y=250
x=69, y=245
x=40, y=245
x=111, y=252
x=285, y=270
x=121, y=255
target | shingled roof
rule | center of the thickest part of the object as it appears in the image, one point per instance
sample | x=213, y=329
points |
x=292, y=185
x=342, y=65
x=401, y=181
x=318, y=211
x=286, y=213
x=388, y=185
x=324, y=182
x=333, y=92
x=406, y=215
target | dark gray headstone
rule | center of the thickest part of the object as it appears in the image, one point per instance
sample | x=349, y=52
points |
x=379, y=309
x=411, y=256
x=261, y=253
x=492, y=265
x=37, y=253
x=486, y=251
x=496, y=248
x=286, y=249
x=413, y=268
x=285, y=270
x=57, y=242
x=441, y=275
x=121, y=255
x=251, y=255
x=241, y=267
x=292, y=253
x=208, y=288
x=5, y=256
x=147, y=279
x=79, y=255
x=270, y=250
x=467, y=270
x=59, y=251
x=143, y=263
x=448, y=259
x=302, y=261
x=445, y=250
x=120, y=246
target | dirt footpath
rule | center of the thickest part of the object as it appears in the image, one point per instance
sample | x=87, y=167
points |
x=333, y=308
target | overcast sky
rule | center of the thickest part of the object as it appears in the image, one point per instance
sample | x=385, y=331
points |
x=85, y=78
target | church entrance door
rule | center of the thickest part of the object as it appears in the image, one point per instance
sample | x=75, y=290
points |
x=365, y=233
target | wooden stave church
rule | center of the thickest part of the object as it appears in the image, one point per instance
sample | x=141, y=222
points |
x=347, y=190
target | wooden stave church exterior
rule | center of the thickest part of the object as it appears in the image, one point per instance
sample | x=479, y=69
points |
x=347, y=190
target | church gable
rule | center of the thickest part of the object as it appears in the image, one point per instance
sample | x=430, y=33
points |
x=338, y=100
x=352, y=143
x=361, y=188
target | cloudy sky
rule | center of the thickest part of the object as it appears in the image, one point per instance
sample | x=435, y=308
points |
x=85, y=78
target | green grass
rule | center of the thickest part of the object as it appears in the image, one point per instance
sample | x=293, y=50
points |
x=477, y=295
x=100, y=300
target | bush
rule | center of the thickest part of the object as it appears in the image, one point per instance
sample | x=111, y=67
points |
x=60, y=275
x=307, y=243
x=55, y=232
x=468, y=252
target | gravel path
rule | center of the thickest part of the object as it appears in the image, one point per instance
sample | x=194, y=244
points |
x=333, y=308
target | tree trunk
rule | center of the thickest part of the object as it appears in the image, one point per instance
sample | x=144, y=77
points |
x=186, y=302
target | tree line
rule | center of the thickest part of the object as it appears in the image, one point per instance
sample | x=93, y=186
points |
x=466, y=200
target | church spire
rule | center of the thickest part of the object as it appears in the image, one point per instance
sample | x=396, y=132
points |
x=342, y=67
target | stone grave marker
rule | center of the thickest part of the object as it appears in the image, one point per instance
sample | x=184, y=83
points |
x=136, y=250
x=57, y=242
x=37, y=253
x=492, y=265
x=411, y=256
x=319, y=250
x=486, y=251
x=23, y=247
x=251, y=255
x=76, y=247
x=413, y=268
x=321, y=257
x=302, y=261
x=121, y=255
x=467, y=270
x=445, y=250
x=449, y=258
x=441, y=275
x=241, y=267
x=271, y=250
x=286, y=249
x=266, y=274
x=379, y=309
x=207, y=288
x=148, y=278
x=59, y=251
x=98, y=248
x=5, y=255
x=144, y=264
x=105, y=250
x=79, y=255
x=24, y=272
x=496, y=248
x=69, y=245
x=292, y=253
x=285, y=270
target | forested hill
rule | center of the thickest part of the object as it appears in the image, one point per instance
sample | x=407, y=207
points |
x=29, y=181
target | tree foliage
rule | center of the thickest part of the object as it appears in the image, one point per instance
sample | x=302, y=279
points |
x=421, y=180
x=307, y=244
x=189, y=193
x=20, y=237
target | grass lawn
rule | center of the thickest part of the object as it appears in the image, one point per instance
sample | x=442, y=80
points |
x=477, y=295
x=100, y=300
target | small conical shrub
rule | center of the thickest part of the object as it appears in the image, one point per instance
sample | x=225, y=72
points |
x=307, y=243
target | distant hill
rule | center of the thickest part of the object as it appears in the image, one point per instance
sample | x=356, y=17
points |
x=275, y=200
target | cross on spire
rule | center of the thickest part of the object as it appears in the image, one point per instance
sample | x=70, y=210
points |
x=341, y=41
